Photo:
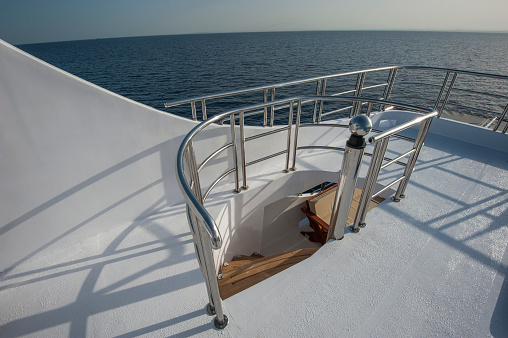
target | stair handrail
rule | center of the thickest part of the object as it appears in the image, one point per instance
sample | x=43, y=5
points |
x=206, y=234
x=380, y=142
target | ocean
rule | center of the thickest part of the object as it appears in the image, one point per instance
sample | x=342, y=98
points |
x=157, y=69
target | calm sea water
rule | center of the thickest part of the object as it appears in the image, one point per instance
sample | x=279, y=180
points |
x=158, y=69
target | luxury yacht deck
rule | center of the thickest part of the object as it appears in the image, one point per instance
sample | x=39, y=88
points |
x=433, y=264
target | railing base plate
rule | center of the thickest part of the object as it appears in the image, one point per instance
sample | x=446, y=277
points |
x=210, y=309
x=222, y=325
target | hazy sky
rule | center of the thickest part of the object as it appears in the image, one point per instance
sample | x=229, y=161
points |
x=29, y=21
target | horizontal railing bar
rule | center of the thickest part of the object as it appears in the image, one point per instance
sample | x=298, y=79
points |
x=427, y=111
x=321, y=147
x=402, y=164
x=401, y=127
x=454, y=89
x=303, y=125
x=395, y=135
x=266, y=158
x=346, y=126
x=413, y=98
x=489, y=113
x=215, y=153
x=354, y=90
x=498, y=96
x=290, y=83
x=230, y=171
x=398, y=158
x=342, y=149
x=278, y=85
x=375, y=86
x=388, y=186
x=465, y=72
x=336, y=111
x=262, y=111
x=342, y=93
x=266, y=133
x=451, y=103
x=341, y=109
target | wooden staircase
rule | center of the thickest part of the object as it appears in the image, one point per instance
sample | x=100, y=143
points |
x=246, y=271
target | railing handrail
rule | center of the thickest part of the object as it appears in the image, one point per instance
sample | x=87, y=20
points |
x=396, y=129
x=194, y=203
x=458, y=71
x=190, y=198
x=275, y=85
x=295, y=82
x=191, y=188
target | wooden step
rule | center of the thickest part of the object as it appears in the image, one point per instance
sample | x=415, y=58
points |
x=252, y=257
x=239, y=278
x=239, y=261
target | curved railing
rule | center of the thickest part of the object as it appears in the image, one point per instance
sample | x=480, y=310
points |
x=481, y=96
x=204, y=229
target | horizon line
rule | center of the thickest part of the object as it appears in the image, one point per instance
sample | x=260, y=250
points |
x=281, y=31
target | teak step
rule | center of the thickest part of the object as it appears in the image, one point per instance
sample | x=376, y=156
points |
x=239, y=261
x=319, y=222
x=238, y=278
x=252, y=257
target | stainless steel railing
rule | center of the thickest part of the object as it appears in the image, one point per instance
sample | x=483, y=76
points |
x=446, y=90
x=378, y=157
x=203, y=227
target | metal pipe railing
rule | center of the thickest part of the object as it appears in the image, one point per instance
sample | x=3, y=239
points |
x=440, y=103
x=359, y=126
x=378, y=156
x=206, y=233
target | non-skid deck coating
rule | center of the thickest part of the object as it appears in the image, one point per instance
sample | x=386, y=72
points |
x=433, y=264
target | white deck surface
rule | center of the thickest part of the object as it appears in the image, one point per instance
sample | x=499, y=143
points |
x=432, y=265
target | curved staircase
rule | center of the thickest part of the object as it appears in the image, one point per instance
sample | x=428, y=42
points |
x=245, y=271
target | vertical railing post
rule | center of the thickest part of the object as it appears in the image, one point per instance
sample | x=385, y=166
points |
x=390, y=82
x=221, y=320
x=193, y=110
x=235, y=152
x=441, y=91
x=501, y=119
x=389, y=86
x=198, y=248
x=272, y=108
x=359, y=126
x=420, y=138
x=203, y=246
x=448, y=92
x=369, y=109
x=193, y=168
x=318, y=88
x=297, y=128
x=290, y=130
x=323, y=88
x=370, y=181
x=203, y=109
x=265, y=110
x=356, y=106
x=242, y=150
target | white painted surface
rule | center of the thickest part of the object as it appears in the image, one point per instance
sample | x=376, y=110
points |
x=93, y=227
